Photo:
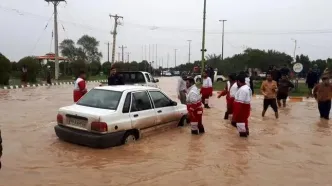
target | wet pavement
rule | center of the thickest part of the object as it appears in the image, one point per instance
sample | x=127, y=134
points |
x=296, y=149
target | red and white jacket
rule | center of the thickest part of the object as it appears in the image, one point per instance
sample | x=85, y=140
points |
x=207, y=89
x=241, y=107
x=194, y=99
x=79, y=89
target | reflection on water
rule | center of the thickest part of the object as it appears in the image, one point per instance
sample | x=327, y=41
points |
x=293, y=150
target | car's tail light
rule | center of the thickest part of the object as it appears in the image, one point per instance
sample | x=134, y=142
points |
x=59, y=119
x=99, y=126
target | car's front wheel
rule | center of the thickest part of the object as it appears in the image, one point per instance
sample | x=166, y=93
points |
x=129, y=137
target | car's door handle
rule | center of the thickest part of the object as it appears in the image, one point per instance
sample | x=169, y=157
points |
x=135, y=115
x=159, y=111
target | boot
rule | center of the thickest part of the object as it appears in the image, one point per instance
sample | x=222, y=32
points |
x=243, y=134
x=226, y=116
x=201, y=129
x=194, y=132
x=206, y=106
x=233, y=124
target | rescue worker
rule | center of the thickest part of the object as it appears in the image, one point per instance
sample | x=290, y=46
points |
x=241, y=108
x=226, y=91
x=181, y=88
x=114, y=78
x=80, y=86
x=284, y=87
x=269, y=90
x=323, y=95
x=0, y=148
x=194, y=107
x=206, y=89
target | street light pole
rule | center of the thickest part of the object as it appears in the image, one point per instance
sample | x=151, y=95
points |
x=223, y=34
x=203, y=40
x=189, y=51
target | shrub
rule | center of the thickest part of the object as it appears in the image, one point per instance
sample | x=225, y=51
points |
x=5, y=69
x=33, y=67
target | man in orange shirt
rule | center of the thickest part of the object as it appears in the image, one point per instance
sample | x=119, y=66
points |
x=269, y=90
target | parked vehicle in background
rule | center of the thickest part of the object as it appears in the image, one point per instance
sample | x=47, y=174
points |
x=176, y=73
x=138, y=78
x=114, y=115
x=198, y=78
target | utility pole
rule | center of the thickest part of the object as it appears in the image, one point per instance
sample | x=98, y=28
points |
x=175, y=56
x=108, y=51
x=145, y=58
x=189, y=51
x=56, y=42
x=157, y=56
x=223, y=34
x=122, y=51
x=128, y=55
x=116, y=23
x=149, y=52
x=295, y=42
x=119, y=56
x=203, y=40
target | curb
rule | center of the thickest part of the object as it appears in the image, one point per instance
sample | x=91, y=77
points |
x=42, y=85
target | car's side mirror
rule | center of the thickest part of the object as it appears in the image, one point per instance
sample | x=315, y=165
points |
x=155, y=80
x=173, y=103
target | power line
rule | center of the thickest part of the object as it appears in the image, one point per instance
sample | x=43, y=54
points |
x=178, y=29
x=41, y=34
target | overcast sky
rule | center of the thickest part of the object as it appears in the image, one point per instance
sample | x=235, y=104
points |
x=263, y=24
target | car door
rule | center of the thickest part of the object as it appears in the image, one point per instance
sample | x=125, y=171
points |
x=142, y=113
x=165, y=110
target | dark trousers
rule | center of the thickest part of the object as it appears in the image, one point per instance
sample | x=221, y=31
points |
x=270, y=102
x=324, y=108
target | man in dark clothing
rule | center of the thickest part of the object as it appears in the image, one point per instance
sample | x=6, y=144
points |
x=275, y=73
x=284, y=86
x=211, y=73
x=114, y=78
x=284, y=70
x=311, y=81
x=48, y=75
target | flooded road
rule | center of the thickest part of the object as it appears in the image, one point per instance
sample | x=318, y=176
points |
x=296, y=149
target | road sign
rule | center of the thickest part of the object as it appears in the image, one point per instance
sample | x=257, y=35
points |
x=297, y=67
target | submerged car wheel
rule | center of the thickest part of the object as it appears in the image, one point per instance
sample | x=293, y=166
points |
x=129, y=137
x=183, y=121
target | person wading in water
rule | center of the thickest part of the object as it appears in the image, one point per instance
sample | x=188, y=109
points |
x=226, y=92
x=206, y=89
x=79, y=87
x=194, y=107
x=269, y=90
x=323, y=95
x=181, y=88
x=284, y=87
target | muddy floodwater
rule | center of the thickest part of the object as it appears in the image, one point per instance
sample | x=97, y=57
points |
x=294, y=150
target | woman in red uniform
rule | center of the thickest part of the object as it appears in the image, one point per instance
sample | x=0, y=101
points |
x=226, y=92
x=79, y=87
x=206, y=90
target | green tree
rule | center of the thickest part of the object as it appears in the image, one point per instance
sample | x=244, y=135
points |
x=106, y=68
x=5, y=69
x=68, y=49
x=88, y=49
x=77, y=66
x=33, y=67
x=94, y=68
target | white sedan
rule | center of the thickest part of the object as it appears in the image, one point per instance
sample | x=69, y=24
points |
x=114, y=115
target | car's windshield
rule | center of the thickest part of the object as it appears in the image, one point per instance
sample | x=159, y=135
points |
x=104, y=99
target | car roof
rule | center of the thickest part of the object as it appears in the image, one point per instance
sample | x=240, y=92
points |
x=122, y=88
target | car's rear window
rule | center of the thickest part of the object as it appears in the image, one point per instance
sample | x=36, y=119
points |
x=104, y=99
x=132, y=77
